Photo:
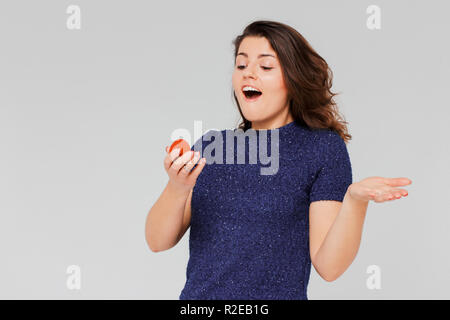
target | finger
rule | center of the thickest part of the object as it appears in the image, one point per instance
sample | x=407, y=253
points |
x=396, y=182
x=383, y=197
x=174, y=154
x=181, y=161
x=401, y=192
x=398, y=193
x=388, y=195
x=195, y=172
x=168, y=160
x=186, y=169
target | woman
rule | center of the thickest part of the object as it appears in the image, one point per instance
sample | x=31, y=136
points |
x=255, y=236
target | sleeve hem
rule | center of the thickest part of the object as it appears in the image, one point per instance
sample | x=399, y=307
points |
x=334, y=197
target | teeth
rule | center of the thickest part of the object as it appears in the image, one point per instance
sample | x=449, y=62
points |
x=249, y=89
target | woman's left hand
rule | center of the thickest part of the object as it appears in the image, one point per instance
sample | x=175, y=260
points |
x=378, y=189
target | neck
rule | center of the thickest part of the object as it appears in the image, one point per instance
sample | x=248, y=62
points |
x=272, y=123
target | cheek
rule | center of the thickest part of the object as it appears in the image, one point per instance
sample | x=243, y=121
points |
x=276, y=86
x=234, y=81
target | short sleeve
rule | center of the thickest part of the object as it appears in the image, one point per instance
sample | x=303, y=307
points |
x=335, y=172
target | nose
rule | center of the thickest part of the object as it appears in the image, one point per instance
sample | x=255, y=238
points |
x=249, y=73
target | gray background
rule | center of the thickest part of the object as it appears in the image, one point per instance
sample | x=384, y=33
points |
x=85, y=116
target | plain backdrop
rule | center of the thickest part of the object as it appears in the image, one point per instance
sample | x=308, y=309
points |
x=85, y=116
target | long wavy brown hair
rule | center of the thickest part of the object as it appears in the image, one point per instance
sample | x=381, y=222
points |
x=307, y=77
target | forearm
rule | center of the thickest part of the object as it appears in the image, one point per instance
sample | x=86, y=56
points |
x=165, y=219
x=342, y=241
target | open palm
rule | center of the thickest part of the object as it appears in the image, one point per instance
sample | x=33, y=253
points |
x=379, y=189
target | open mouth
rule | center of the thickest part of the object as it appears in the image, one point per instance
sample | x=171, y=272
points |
x=251, y=95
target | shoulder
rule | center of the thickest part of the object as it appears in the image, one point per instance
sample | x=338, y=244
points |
x=325, y=135
x=327, y=146
x=327, y=140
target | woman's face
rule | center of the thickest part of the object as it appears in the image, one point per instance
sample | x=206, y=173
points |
x=257, y=66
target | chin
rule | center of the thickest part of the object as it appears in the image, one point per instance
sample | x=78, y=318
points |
x=250, y=115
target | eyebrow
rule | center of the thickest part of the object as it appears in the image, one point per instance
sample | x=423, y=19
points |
x=260, y=56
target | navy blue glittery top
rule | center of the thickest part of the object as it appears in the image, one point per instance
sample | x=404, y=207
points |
x=249, y=231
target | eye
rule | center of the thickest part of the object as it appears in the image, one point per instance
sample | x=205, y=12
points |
x=265, y=68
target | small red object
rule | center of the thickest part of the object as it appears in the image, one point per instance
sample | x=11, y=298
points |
x=182, y=145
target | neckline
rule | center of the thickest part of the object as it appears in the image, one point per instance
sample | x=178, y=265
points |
x=282, y=128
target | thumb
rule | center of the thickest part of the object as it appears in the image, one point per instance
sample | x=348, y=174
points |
x=396, y=182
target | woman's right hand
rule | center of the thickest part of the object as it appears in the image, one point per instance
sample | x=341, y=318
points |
x=181, y=177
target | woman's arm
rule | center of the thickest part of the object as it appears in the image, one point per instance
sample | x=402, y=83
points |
x=336, y=230
x=169, y=217
x=341, y=243
x=165, y=220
